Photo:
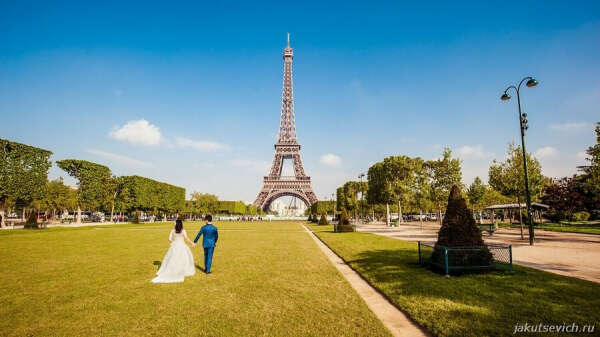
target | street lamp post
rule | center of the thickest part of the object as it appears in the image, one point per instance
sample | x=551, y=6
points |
x=362, y=193
x=531, y=82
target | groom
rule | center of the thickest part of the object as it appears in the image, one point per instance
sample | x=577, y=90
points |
x=211, y=236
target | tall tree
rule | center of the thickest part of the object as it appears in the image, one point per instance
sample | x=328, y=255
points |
x=380, y=189
x=59, y=197
x=590, y=180
x=565, y=197
x=340, y=198
x=475, y=192
x=444, y=173
x=400, y=176
x=94, y=182
x=205, y=203
x=23, y=174
x=507, y=177
x=420, y=188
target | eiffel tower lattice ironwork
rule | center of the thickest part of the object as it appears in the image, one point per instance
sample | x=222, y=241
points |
x=275, y=185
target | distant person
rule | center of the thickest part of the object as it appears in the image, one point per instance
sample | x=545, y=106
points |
x=211, y=236
x=179, y=261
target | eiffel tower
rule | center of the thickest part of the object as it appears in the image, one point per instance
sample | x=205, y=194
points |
x=275, y=185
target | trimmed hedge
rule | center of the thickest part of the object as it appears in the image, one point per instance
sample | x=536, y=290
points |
x=149, y=194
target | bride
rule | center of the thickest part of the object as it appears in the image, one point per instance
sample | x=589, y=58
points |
x=179, y=261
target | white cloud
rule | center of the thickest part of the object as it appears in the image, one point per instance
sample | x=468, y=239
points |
x=119, y=159
x=472, y=151
x=259, y=166
x=569, y=126
x=138, y=132
x=200, y=145
x=545, y=152
x=331, y=159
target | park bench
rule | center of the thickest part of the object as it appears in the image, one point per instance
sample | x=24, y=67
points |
x=490, y=229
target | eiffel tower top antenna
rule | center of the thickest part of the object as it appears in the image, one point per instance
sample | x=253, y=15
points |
x=288, y=40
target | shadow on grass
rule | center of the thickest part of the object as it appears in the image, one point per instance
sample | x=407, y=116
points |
x=157, y=263
x=199, y=268
x=476, y=303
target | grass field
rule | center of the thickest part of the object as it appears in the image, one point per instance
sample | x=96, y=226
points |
x=469, y=305
x=268, y=279
x=583, y=227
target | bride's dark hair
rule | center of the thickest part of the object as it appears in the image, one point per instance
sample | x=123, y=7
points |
x=178, y=226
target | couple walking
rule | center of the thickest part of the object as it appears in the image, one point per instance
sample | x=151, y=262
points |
x=179, y=261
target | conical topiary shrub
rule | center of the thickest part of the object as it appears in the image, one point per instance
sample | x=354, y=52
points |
x=459, y=230
x=344, y=224
x=31, y=222
x=323, y=221
x=136, y=218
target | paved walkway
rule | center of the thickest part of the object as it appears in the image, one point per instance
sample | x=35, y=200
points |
x=570, y=254
x=393, y=319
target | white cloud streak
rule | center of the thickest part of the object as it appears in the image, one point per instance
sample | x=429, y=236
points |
x=472, y=151
x=331, y=160
x=119, y=159
x=546, y=152
x=569, y=126
x=200, y=145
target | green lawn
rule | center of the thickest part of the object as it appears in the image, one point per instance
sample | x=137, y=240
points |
x=469, y=305
x=584, y=227
x=587, y=227
x=268, y=279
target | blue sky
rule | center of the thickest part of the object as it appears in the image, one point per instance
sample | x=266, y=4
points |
x=202, y=83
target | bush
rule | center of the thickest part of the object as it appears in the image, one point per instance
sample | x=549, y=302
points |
x=323, y=221
x=136, y=218
x=459, y=230
x=344, y=224
x=581, y=216
x=31, y=222
x=555, y=215
x=309, y=218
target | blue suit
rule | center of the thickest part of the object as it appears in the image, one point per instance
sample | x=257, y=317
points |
x=211, y=236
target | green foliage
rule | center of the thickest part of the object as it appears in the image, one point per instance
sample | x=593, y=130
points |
x=23, y=172
x=565, y=197
x=323, y=221
x=508, y=177
x=148, y=195
x=460, y=230
x=136, y=218
x=94, y=181
x=232, y=207
x=379, y=189
x=476, y=193
x=205, y=203
x=58, y=197
x=444, y=173
x=344, y=224
x=322, y=207
x=493, y=197
x=339, y=198
x=591, y=178
x=31, y=222
x=581, y=216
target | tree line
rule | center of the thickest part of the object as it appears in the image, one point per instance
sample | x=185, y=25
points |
x=402, y=183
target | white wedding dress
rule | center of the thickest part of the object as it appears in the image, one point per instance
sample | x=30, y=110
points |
x=178, y=262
